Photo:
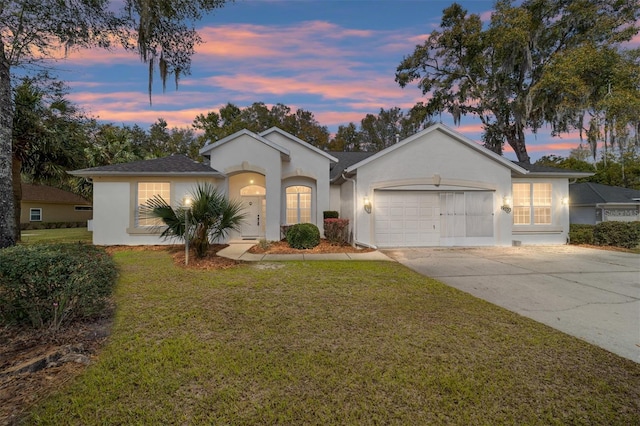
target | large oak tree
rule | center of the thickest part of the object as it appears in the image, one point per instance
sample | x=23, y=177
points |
x=161, y=32
x=493, y=71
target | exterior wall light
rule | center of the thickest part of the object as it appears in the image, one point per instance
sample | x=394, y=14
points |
x=186, y=204
x=367, y=204
x=506, y=204
x=565, y=201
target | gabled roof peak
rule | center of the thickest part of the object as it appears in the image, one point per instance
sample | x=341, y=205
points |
x=307, y=145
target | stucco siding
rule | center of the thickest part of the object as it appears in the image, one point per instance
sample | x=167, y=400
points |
x=334, y=199
x=346, y=207
x=115, y=205
x=434, y=162
x=306, y=163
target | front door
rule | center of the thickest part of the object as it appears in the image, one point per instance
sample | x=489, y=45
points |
x=253, y=225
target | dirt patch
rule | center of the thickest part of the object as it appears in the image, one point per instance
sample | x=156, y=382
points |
x=282, y=247
x=36, y=363
x=209, y=262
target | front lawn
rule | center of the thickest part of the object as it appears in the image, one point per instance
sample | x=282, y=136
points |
x=60, y=235
x=331, y=343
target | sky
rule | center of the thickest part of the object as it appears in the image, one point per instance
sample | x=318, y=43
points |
x=336, y=59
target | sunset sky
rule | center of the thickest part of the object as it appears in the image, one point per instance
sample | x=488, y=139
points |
x=336, y=59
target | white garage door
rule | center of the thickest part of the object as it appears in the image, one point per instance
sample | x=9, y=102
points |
x=407, y=218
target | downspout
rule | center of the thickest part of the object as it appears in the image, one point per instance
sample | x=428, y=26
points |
x=355, y=215
x=601, y=206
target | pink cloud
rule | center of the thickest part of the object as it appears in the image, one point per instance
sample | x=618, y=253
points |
x=260, y=84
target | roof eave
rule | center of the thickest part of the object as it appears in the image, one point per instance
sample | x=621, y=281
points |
x=451, y=133
x=285, y=154
x=303, y=143
x=81, y=173
x=567, y=175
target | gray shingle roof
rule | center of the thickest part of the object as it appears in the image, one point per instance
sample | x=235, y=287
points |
x=536, y=168
x=177, y=164
x=590, y=193
x=49, y=194
x=346, y=159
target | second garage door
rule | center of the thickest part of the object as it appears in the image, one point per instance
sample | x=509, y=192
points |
x=407, y=218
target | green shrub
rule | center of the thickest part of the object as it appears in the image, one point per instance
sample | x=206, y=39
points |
x=51, y=225
x=581, y=234
x=336, y=230
x=48, y=284
x=303, y=236
x=264, y=244
x=330, y=214
x=618, y=234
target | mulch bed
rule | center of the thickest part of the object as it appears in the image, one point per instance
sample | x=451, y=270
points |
x=282, y=247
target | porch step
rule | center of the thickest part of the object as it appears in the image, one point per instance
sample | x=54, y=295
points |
x=243, y=241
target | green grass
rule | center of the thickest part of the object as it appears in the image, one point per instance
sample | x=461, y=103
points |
x=332, y=343
x=61, y=235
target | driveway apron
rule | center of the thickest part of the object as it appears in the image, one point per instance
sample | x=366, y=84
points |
x=588, y=293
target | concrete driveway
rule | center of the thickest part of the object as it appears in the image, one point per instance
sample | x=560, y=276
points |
x=588, y=293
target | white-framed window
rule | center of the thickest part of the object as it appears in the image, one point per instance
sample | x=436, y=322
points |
x=145, y=192
x=298, y=204
x=35, y=215
x=532, y=204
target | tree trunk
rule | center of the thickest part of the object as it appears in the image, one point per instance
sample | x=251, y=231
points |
x=516, y=140
x=7, y=212
x=16, y=165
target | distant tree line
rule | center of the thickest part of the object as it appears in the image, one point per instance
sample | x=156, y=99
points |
x=535, y=63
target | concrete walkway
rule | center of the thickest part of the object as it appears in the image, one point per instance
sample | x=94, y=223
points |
x=238, y=251
x=588, y=293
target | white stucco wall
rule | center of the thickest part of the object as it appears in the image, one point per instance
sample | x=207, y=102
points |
x=306, y=162
x=434, y=162
x=246, y=154
x=282, y=162
x=334, y=198
x=346, y=206
x=114, y=207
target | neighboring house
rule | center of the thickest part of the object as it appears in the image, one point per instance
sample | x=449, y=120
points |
x=45, y=204
x=435, y=188
x=592, y=203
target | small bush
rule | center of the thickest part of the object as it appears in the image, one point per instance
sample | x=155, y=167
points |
x=336, y=230
x=48, y=284
x=264, y=244
x=330, y=214
x=303, y=236
x=581, y=234
x=51, y=225
x=618, y=234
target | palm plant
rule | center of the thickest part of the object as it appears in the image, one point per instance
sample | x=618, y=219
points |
x=210, y=217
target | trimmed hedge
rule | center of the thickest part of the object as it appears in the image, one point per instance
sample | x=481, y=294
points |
x=52, y=225
x=48, y=284
x=303, y=236
x=619, y=234
x=330, y=214
x=336, y=231
x=581, y=234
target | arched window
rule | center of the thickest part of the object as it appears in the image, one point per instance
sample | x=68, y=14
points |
x=298, y=204
x=253, y=190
